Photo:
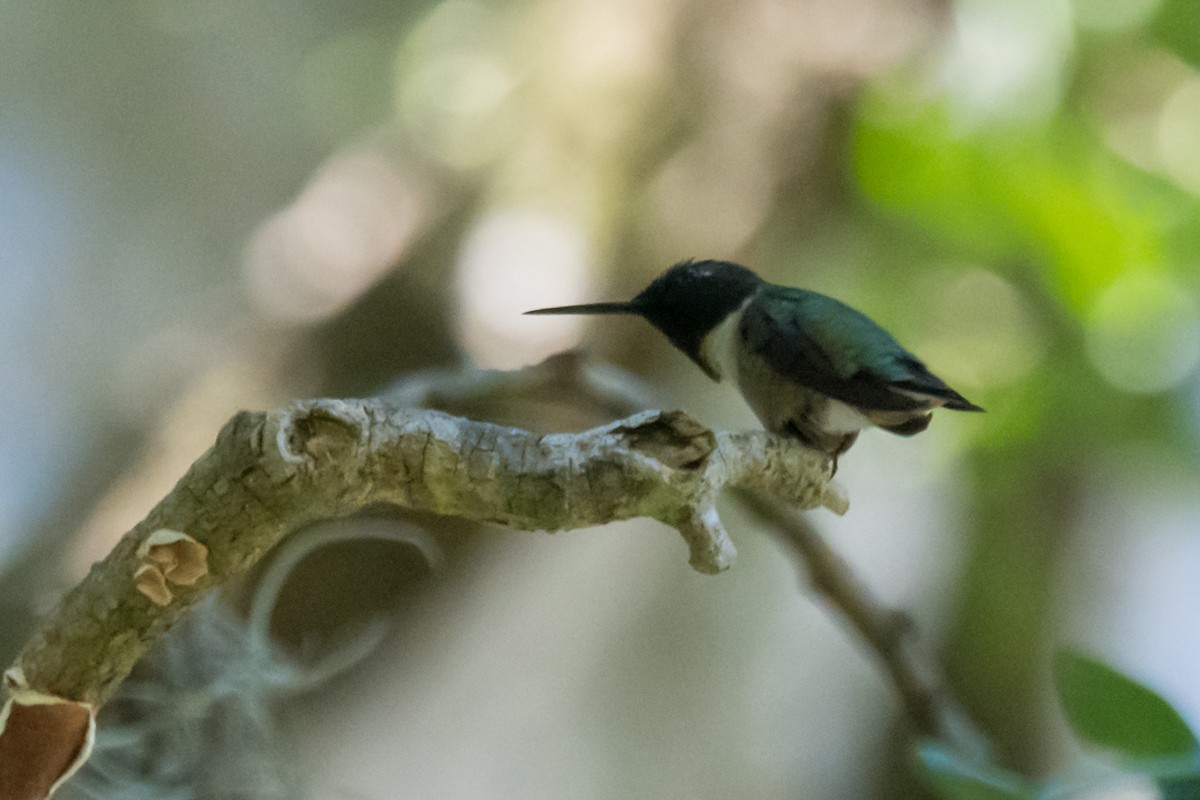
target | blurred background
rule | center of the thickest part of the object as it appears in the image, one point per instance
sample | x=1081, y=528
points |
x=208, y=206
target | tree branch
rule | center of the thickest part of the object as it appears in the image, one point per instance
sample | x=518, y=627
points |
x=270, y=473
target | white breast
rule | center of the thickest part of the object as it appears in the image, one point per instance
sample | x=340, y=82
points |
x=842, y=418
x=719, y=349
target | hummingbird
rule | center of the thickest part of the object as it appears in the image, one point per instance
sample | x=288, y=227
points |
x=810, y=367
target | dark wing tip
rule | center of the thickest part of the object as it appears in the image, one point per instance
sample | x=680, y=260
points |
x=922, y=380
x=950, y=398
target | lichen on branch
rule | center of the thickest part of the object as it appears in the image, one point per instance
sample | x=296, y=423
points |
x=270, y=473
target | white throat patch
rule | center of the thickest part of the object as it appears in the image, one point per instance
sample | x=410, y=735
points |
x=719, y=349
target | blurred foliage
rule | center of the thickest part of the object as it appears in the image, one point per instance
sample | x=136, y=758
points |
x=1177, y=26
x=1103, y=254
x=954, y=778
x=1106, y=709
x=1110, y=710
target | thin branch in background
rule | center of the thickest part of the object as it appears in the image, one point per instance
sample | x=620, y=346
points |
x=568, y=379
x=889, y=634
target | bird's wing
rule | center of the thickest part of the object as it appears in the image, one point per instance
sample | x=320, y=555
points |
x=825, y=345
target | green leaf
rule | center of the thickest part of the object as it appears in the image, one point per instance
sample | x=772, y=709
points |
x=1180, y=788
x=954, y=778
x=1177, y=25
x=1111, y=710
x=1047, y=192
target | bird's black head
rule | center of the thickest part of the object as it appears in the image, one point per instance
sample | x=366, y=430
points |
x=693, y=297
x=685, y=302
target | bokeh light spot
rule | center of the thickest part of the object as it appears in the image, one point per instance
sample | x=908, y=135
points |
x=1144, y=333
x=1007, y=60
x=452, y=86
x=1179, y=135
x=1105, y=15
x=343, y=232
x=514, y=261
x=982, y=331
x=1127, y=103
x=447, y=104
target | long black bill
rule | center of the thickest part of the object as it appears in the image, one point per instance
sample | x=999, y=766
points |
x=590, y=308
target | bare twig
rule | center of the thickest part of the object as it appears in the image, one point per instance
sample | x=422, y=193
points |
x=888, y=633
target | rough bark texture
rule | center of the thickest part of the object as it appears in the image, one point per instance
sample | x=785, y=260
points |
x=269, y=473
